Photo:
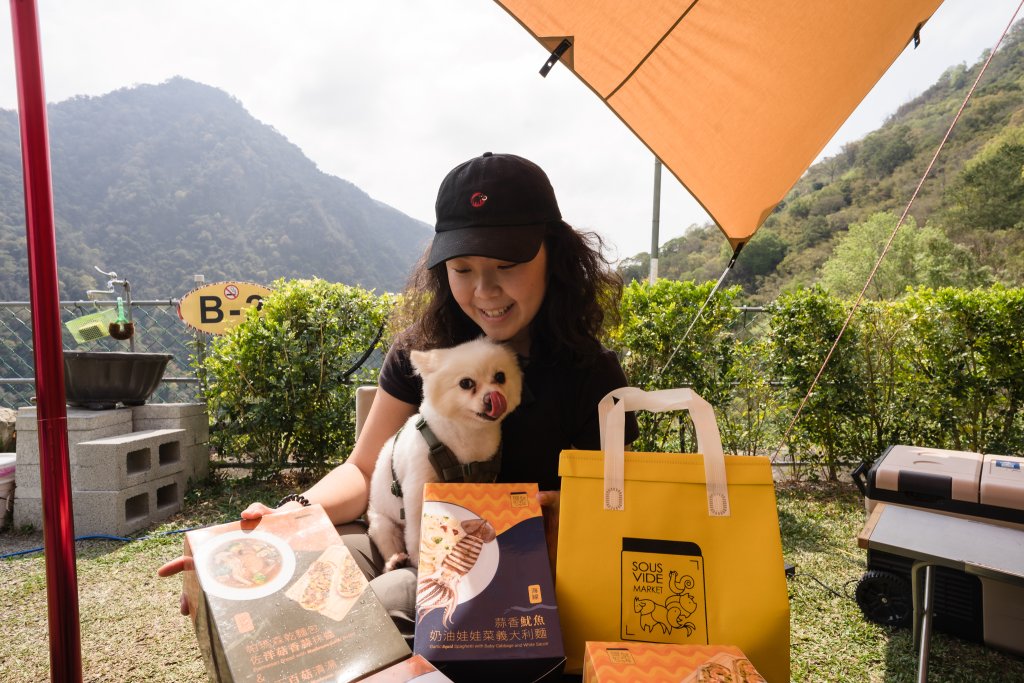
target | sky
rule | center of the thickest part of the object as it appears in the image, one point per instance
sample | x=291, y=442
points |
x=391, y=94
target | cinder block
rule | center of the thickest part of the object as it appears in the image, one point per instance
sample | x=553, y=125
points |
x=27, y=510
x=28, y=480
x=118, y=513
x=168, y=411
x=129, y=466
x=83, y=425
x=125, y=460
x=118, y=462
x=199, y=460
x=197, y=427
x=79, y=419
x=28, y=446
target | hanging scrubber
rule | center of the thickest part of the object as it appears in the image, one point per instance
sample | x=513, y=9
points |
x=121, y=328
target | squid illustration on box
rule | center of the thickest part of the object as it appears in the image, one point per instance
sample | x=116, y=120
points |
x=440, y=589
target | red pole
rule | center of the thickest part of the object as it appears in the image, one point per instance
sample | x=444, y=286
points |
x=51, y=413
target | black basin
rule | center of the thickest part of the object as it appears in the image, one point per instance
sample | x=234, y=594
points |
x=99, y=380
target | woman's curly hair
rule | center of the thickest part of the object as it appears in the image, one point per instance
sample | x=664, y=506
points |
x=582, y=296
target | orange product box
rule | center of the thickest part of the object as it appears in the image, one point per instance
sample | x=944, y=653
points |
x=281, y=599
x=485, y=602
x=413, y=670
x=661, y=663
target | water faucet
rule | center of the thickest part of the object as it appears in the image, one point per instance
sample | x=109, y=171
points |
x=114, y=281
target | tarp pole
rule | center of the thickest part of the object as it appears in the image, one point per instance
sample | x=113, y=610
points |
x=655, y=220
x=48, y=354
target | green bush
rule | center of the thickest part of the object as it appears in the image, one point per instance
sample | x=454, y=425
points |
x=969, y=359
x=655, y=355
x=941, y=368
x=276, y=384
x=890, y=407
x=804, y=325
x=749, y=417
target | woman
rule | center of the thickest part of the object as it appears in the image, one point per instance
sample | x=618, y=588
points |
x=503, y=264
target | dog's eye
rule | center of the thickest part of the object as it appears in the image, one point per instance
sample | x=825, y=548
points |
x=499, y=378
x=466, y=383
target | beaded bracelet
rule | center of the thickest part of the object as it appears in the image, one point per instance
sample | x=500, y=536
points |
x=297, y=497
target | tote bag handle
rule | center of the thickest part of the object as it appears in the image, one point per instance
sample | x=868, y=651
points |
x=611, y=412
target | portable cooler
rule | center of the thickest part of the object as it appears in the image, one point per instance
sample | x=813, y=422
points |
x=984, y=488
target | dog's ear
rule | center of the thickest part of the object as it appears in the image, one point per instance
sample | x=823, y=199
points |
x=423, y=362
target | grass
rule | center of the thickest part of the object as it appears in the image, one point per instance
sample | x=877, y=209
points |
x=131, y=629
x=830, y=639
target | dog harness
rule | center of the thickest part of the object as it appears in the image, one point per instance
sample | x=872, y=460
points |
x=446, y=465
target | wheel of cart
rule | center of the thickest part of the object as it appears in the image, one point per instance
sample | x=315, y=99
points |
x=885, y=598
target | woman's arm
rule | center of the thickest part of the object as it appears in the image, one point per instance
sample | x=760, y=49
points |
x=344, y=491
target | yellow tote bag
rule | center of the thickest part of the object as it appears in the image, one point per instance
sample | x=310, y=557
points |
x=670, y=548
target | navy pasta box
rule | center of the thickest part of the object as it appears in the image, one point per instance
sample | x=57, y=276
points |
x=990, y=487
x=281, y=600
x=485, y=597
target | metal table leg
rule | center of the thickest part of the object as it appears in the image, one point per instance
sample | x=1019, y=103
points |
x=923, y=617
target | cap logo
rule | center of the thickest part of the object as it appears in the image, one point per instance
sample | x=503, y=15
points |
x=478, y=199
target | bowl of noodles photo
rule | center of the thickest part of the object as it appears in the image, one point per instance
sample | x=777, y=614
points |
x=244, y=565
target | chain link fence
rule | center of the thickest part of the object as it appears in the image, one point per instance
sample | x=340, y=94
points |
x=158, y=329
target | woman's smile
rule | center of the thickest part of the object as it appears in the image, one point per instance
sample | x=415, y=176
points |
x=495, y=313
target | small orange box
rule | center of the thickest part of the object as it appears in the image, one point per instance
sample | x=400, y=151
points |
x=661, y=663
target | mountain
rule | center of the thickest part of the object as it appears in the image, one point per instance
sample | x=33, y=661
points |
x=974, y=194
x=159, y=182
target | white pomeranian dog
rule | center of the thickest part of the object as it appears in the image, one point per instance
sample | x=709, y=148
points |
x=467, y=391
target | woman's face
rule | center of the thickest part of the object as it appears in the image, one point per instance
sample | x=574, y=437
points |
x=501, y=297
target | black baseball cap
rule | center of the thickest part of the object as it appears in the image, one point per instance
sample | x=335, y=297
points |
x=496, y=205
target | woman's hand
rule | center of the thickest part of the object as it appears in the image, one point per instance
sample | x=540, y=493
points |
x=257, y=510
x=176, y=566
x=549, y=507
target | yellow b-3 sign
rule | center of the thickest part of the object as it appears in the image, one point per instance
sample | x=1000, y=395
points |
x=218, y=306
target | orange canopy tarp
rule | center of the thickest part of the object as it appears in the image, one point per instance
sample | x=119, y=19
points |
x=736, y=97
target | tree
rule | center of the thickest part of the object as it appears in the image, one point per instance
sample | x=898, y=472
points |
x=886, y=149
x=989, y=193
x=636, y=268
x=759, y=258
x=918, y=256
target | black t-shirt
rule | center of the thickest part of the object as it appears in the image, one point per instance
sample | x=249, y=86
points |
x=558, y=411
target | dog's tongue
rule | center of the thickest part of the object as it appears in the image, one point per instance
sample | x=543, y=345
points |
x=495, y=404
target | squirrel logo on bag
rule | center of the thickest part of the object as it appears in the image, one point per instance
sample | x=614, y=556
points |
x=663, y=598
